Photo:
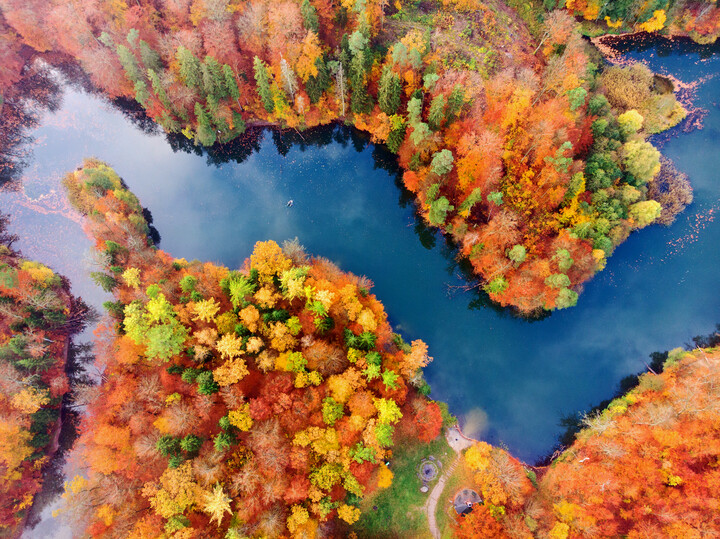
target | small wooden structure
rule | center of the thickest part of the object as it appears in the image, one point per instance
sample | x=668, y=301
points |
x=465, y=500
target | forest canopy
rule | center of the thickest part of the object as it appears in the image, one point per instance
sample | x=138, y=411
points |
x=508, y=125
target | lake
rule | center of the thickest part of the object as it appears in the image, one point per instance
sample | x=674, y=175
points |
x=510, y=380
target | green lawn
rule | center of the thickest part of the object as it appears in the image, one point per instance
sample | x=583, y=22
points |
x=400, y=508
x=444, y=514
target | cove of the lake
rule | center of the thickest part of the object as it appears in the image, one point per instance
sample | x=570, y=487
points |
x=510, y=380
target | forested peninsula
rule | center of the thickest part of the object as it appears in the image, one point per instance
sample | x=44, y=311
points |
x=264, y=399
x=516, y=140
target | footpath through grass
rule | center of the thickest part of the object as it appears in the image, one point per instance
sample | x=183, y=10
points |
x=461, y=477
x=400, y=508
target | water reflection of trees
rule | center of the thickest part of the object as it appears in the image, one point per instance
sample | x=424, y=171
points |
x=35, y=92
x=574, y=422
x=79, y=357
x=240, y=149
x=662, y=46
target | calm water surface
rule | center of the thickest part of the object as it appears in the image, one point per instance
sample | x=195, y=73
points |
x=510, y=380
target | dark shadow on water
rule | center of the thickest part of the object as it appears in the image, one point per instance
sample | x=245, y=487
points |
x=20, y=110
x=644, y=42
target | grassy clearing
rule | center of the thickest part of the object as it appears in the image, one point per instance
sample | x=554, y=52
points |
x=400, y=508
x=444, y=513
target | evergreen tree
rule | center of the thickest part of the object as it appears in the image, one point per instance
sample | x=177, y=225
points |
x=213, y=78
x=141, y=93
x=309, y=15
x=158, y=88
x=262, y=78
x=129, y=63
x=106, y=40
x=396, y=138
x=133, y=36
x=360, y=100
x=205, y=131
x=150, y=58
x=437, y=112
x=190, y=71
x=168, y=123
x=317, y=85
x=231, y=86
x=389, y=91
x=455, y=103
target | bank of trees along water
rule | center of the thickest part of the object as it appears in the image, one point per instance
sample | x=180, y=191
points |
x=646, y=466
x=503, y=127
x=37, y=317
x=262, y=401
x=698, y=19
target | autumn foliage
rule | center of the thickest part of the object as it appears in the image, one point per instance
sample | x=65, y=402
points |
x=498, y=136
x=36, y=313
x=259, y=401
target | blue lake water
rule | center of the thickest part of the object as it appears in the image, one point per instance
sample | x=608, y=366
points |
x=509, y=380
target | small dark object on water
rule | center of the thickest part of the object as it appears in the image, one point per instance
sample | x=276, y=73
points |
x=290, y=203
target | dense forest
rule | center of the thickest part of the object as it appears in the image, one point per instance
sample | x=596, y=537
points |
x=515, y=140
x=260, y=401
x=37, y=318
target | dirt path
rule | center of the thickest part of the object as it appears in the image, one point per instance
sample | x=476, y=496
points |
x=432, y=501
x=458, y=441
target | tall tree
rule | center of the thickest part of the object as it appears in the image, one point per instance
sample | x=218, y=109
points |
x=213, y=78
x=436, y=114
x=317, y=85
x=190, y=71
x=389, y=91
x=262, y=78
x=129, y=63
x=150, y=58
x=231, y=85
x=309, y=15
x=205, y=130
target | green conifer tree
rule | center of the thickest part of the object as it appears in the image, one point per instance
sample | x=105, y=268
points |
x=150, y=58
x=456, y=101
x=141, y=93
x=360, y=100
x=190, y=71
x=309, y=15
x=205, y=131
x=213, y=78
x=389, y=91
x=158, y=88
x=437, y=112
x=317, y=85
x=129, y=63
x=231, y=86
x=262, y=78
